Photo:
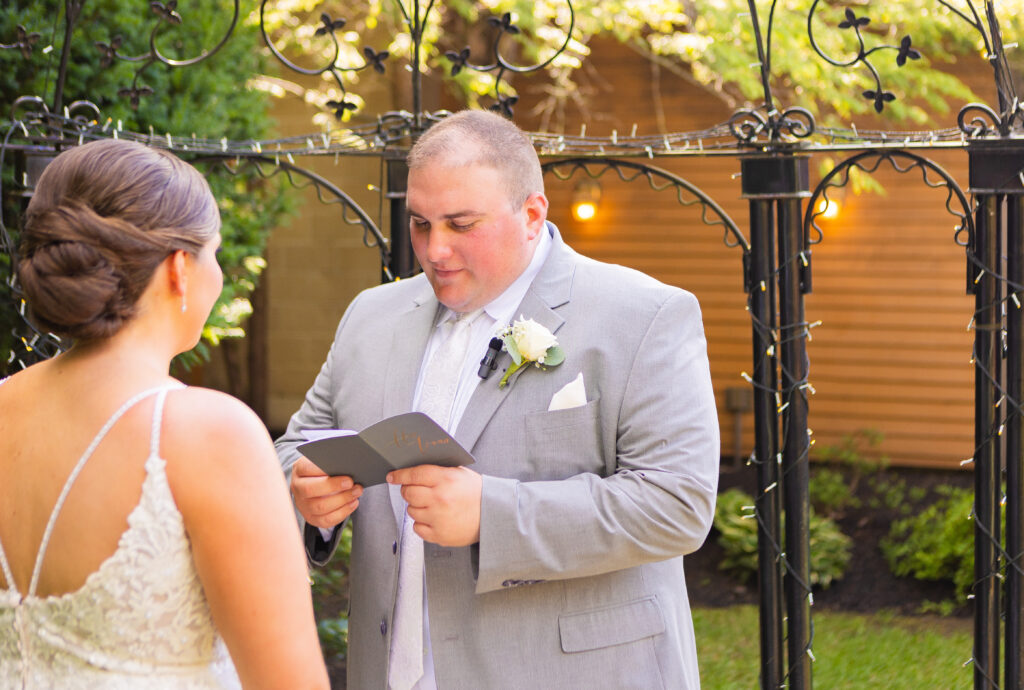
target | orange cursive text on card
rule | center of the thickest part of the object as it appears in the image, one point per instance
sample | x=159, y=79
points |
x=404, y=439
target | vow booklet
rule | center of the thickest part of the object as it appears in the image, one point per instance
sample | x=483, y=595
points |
x=367, y=456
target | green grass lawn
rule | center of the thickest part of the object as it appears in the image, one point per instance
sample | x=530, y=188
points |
x=878, y=650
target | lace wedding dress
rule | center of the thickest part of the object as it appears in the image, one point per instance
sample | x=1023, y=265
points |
x=140, y=621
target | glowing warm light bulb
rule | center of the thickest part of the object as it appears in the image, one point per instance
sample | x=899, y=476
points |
x=584, y=210
x=586, y=196
x=827, y=208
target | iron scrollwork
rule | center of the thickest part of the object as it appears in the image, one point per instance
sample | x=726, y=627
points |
x=868, y=162
x=416, y=21
x=904, y=51
x=747, y=125
x=500, y=63
x=659, y=179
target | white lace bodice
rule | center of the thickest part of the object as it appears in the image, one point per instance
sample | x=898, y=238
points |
x=140, y=620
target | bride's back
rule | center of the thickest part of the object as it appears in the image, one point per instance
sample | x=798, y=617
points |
x=101, y=223
x=126, y=499
x=48, y=417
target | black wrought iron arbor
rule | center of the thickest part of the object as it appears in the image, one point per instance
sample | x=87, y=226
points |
x=772, y=145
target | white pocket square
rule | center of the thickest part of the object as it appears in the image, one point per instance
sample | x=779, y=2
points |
x=572, y=394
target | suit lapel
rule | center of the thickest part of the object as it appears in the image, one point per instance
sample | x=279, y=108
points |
x=408, y=343
x=549, y=290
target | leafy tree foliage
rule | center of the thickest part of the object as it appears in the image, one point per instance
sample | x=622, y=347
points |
x=211, y=100
x=911, y=44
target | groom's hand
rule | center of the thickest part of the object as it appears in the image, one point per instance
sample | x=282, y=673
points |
x=444, y=502
x=323, y=501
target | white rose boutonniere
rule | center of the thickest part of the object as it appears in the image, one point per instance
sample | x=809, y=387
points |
x=527, y=341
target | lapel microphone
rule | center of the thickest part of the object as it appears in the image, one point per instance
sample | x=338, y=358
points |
x=489, y=362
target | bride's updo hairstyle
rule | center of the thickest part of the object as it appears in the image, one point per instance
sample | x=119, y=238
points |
x=103, y=217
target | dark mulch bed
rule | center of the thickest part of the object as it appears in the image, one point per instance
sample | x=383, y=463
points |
x=868, y=585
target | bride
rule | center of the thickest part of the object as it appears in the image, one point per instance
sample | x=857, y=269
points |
x=142, y=522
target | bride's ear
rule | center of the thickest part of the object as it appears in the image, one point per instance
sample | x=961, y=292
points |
x=176, y=272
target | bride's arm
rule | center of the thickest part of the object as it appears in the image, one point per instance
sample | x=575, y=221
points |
x=228, y=485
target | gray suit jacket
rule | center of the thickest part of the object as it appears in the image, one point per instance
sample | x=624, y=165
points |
x=577, y=581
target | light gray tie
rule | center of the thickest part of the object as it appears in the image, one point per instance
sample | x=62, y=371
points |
x=437, y=397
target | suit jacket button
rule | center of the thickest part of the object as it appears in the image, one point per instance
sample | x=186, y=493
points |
x=394, y=547
x=383, y=626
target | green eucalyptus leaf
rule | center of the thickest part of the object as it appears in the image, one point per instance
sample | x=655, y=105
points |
x=513, y=350
x=554, y=356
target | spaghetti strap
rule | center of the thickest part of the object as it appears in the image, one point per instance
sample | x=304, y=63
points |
x=158, y=415
x=131, y=402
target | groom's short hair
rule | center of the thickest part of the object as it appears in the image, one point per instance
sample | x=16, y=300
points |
x=481, y=137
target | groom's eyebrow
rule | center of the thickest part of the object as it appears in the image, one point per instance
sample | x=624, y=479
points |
x=448, y=216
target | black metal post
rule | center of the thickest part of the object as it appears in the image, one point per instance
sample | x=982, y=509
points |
x=793, y=346
x=768, y=502
x=1014, y=622
x=988, y=361
x=403, y=261
x=775, y=185
x=995, y=167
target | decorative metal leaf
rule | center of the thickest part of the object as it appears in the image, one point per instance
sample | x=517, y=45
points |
x=906, y=52
x=25, y=41
x=505, y=23
x=134, y=93
x=458, y=60
x=328, y=25
x=166, y=12
x=375, y=59
x=109, y=51
x=504, y=105
x=340, y=107
x=880, y=98
x=853, y=21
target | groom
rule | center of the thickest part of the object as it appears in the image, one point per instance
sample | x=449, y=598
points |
x=554, y=561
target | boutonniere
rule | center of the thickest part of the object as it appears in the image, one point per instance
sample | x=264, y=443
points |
x=526, y=341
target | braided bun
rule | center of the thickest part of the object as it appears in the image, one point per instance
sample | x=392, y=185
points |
x=102, y=219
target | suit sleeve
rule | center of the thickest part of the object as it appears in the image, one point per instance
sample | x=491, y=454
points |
x=658, y=503
x=317, y=412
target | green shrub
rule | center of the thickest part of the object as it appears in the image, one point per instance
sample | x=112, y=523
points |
x=737, y=535
x=830, y=493
x=830, y=551
x=851, y=450
x=937, y=543
x=834, y=482
x=891, y=493
x=330, y=599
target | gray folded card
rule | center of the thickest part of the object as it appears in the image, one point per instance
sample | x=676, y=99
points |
x=394, y=443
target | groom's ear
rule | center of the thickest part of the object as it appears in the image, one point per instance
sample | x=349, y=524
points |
x=536, y=209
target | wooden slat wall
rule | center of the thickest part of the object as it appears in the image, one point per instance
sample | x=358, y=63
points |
x=893, y=351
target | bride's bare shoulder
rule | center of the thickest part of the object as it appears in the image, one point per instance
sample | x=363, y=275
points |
x=216, y=423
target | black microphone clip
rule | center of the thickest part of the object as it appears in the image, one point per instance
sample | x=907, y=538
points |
x=489, y=363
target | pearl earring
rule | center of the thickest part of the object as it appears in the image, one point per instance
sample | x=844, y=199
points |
x=183, y=304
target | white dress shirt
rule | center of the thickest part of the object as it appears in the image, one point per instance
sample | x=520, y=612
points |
x=499, y=313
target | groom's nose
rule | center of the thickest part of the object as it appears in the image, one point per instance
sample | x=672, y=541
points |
x=439, y=245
